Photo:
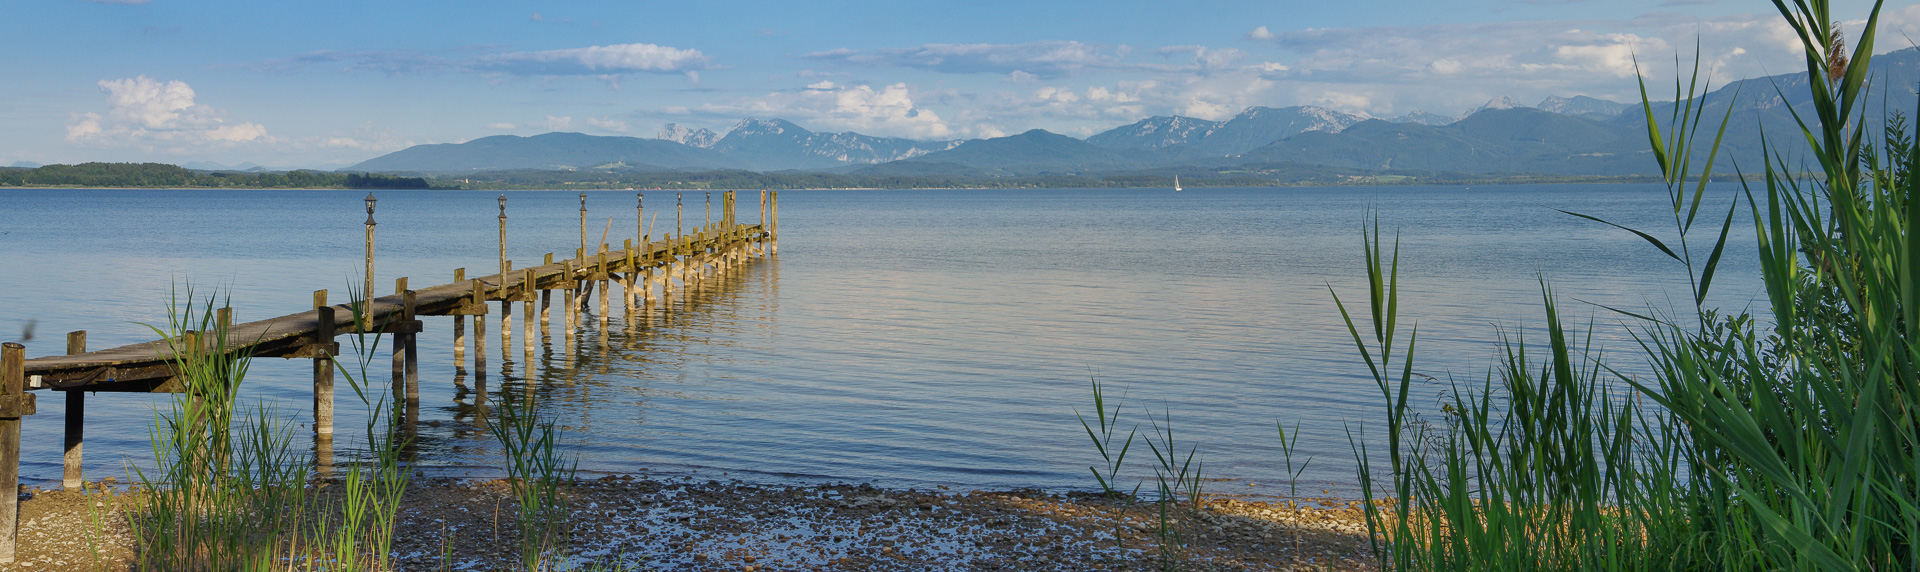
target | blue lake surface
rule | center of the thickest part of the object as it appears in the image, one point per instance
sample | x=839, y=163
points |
x=911, y=338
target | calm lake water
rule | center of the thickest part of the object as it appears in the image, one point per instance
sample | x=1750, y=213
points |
x=910, y=338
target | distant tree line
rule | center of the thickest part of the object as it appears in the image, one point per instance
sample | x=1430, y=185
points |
x=377, y=181
x=160, y=175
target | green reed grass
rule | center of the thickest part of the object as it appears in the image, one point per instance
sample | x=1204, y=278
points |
x=540, y=477
x=1790, y=445
x=1103, y=440
x=230, y=491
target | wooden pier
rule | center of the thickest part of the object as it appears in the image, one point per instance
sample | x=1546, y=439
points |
x=647, y=270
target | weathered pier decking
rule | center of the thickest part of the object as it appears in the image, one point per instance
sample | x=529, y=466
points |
x=649, y=272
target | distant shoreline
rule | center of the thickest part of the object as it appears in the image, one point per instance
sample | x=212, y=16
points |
x=1185, y=184
x=164, y=176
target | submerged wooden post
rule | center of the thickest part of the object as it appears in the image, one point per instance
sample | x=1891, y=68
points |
x=506, y=314
x=526, y=309
x=606, y=283
x=405, y=341
x=459, y=328
x=566, y=296
x=774, y=235
x=674, y=264
x=323, y=367
x=76, y=420
x=17, y=403
x=546, y=302
x=627, y=279
x=479, y=329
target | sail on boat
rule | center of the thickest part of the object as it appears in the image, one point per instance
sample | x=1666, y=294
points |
x=1176, y=183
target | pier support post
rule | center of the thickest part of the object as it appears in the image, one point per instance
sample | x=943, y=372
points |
x=526, y=309
x=546, y=303
x=606, y=283
x=323, y=372
x=459, y=329
x=506, y=314
x=17, y=403
x=667, y=268
x=479, y=331
x=406, y=362
x=71, y=478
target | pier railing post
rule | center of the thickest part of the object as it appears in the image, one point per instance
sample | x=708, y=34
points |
x=13, y=389
x=76, y=421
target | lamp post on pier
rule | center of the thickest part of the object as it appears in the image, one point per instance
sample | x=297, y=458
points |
x=503, y=241
x=366, y=309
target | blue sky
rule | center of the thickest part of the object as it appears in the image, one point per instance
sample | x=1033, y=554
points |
x=289, y=84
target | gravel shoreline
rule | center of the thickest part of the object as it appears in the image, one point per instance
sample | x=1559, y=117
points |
x=683, y=524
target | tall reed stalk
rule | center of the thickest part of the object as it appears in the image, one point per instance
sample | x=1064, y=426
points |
x=230, y=492
x=539, y=476
x=1789, y=445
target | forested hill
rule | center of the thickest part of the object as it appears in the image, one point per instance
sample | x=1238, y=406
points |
x=159, y=175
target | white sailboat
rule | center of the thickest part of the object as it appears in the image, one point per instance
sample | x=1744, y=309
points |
x=1176, y=183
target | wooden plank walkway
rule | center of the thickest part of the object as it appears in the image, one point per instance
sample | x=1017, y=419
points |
x=135, y=367
x=651, y=271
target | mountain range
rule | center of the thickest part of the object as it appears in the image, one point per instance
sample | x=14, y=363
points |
x=1577, y=135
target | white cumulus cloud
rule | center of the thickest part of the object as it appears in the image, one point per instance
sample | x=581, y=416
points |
x=151, y=114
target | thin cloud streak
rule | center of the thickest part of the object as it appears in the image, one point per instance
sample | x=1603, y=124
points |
x=596, y=61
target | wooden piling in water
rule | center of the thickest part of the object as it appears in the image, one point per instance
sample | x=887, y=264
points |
x=606, y=283
x=479, y=302
x=459, y=328
x=506, y=314
x=323, y=366
x=526, y=309
x=15, y=403
x=406, y=338
x=546, y=302
x=71, y=478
